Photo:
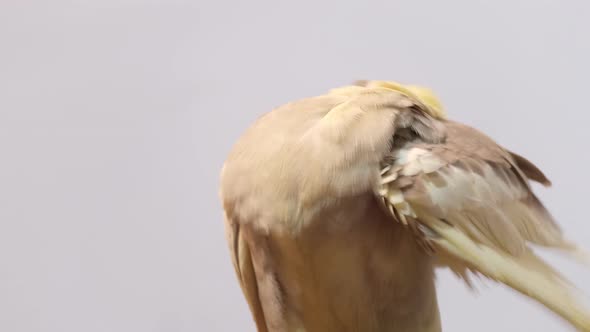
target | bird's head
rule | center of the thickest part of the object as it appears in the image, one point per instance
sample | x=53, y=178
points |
x=420, y=94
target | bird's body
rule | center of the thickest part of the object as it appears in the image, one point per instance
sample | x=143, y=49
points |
x=339, y=207
x=353, y=270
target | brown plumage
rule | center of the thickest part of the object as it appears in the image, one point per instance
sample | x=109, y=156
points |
x=339, y=207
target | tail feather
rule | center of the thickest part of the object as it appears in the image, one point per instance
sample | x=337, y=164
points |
x=527, y=274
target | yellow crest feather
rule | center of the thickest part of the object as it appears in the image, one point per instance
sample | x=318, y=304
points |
x=422, y=95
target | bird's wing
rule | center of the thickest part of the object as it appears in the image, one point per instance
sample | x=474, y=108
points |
x=469, y=201
x=242, y=260
x=251, y=257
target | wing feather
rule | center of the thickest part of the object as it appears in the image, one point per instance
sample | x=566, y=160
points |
x=476, y=202
x=476, y=186
x=243, y=265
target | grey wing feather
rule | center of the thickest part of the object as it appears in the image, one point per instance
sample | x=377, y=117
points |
x=474, y=184
x=474, y=198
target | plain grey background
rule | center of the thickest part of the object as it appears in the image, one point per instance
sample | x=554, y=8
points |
x=116, y=116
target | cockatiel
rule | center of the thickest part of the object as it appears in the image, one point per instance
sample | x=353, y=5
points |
x=338, y=208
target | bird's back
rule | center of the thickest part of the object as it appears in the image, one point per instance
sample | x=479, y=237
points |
x=355, y=270
x=335, y=261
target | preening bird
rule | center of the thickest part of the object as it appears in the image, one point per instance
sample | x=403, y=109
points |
x=339, y=207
